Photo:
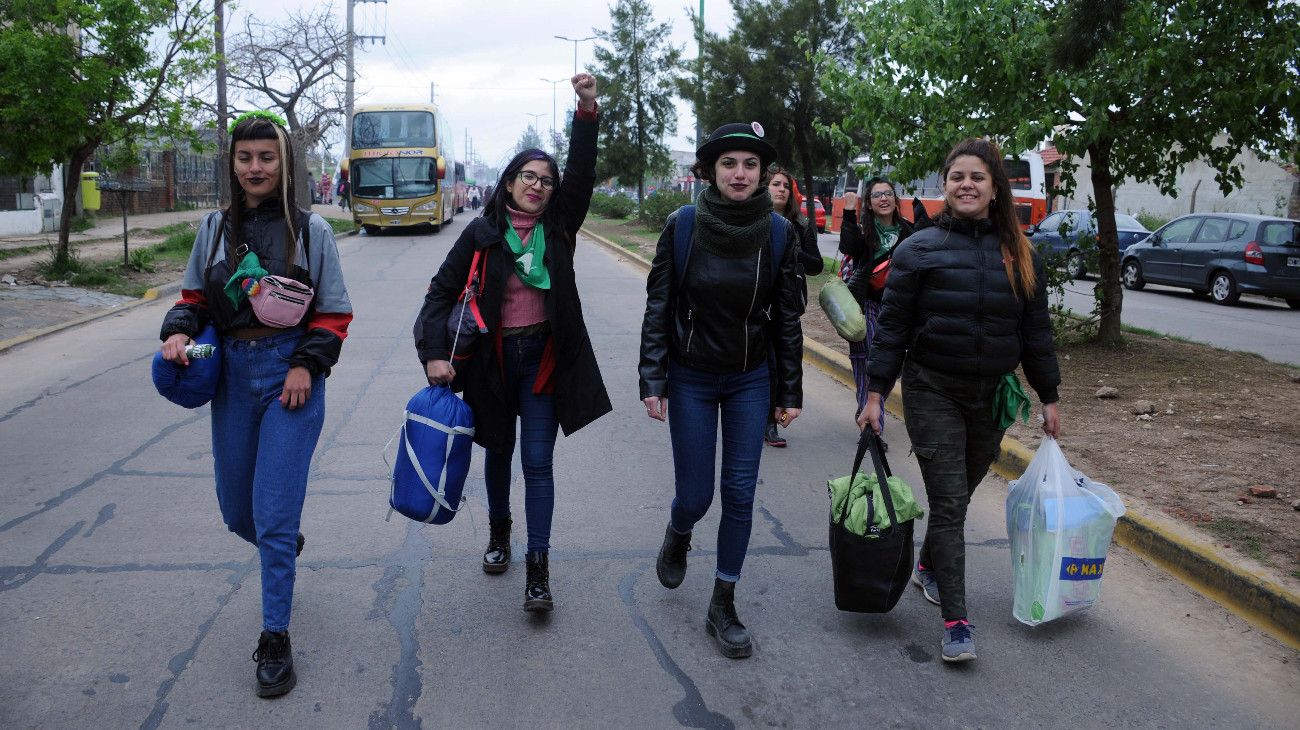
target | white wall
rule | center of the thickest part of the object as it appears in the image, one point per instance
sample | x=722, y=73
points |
x=20, y=222
x=1266, y=190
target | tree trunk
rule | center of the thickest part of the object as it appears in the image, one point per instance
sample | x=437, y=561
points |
x=71, y=181
x=1108, y=278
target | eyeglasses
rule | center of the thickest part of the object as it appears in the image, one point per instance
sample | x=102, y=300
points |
x=879, y=194
x=528, y=177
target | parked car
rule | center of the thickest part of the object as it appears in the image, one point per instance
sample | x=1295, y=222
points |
x=819, y=212
x=1222, y=254
x=1070, y=236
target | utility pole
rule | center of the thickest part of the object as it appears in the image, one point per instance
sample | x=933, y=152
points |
x=699, y=75
x=349, y=97
x=432, y=99
x=555, y=138
x=575, y=42
x=223, y=137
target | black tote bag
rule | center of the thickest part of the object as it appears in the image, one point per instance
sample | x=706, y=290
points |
x=870, y=572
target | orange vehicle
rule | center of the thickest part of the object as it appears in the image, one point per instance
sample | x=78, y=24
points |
x=1028, y=184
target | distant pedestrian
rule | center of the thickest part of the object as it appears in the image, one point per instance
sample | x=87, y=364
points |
x=270, y=402
x=343, y=191
x=537, y=369
x=787, y=201
x=704, y=347
x=965, y=303
x=868, y=238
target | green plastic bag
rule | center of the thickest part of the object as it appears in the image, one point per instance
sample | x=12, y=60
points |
x=843, y=310
x=904, y=503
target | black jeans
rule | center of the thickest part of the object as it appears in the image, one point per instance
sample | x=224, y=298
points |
x=949, y=419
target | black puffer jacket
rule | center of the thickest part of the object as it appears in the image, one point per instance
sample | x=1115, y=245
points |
x=724, y=317
x=949, y=307
x=860, y=246
x=810, y=257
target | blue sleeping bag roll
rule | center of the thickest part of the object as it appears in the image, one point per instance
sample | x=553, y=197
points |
x=193, y=386
x=433, y=452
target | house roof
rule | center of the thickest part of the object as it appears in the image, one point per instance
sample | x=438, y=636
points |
x=1050, y=155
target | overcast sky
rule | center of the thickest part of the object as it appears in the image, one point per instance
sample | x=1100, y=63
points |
x=486, y=58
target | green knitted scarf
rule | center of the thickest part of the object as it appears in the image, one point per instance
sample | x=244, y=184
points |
x=732, y=230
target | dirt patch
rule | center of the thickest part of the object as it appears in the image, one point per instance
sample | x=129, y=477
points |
x=1219, y=423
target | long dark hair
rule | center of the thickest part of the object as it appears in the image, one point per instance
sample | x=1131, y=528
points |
x=793, y=209
x=1015, y=247
x=864, y=202
x=252, y=128
x=495, y=207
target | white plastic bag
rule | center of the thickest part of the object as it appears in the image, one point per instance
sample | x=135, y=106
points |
x=1060, y=524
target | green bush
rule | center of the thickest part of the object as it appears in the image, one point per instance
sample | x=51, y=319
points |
x=612, y=206
x=1149, y=220
x=93, y=277
x=142, y=259
x=656, y=208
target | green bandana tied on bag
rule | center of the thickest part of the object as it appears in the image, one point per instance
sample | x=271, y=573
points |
x=246, y=276
x=861, y=487
x=1009, y=401
x=529, y=264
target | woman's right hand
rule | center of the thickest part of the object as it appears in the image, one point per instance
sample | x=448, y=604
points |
x=173, y=348
x=656, y=407
x=439, y=372
x=871, y=413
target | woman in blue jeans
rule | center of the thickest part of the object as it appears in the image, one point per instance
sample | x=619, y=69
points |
x=270, y=401
x=536, y=366
x=723, y=291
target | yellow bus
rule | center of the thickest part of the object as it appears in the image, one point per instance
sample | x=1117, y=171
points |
x=402, y=168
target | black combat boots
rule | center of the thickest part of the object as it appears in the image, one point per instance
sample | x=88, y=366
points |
x=274, y=658
x=671, y=565
x=496, y=558
x=537, y=589
x=723, y=624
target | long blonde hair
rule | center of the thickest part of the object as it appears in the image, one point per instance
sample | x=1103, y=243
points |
x=1017, y=252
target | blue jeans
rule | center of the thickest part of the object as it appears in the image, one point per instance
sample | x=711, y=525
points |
x=263, y=452
x=522, y=355
x=695, y=399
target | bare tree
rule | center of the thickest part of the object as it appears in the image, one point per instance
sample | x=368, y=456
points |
x=295, y=68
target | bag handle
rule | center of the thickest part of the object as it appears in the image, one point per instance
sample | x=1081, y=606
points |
x=465, y=294
x=869, y=440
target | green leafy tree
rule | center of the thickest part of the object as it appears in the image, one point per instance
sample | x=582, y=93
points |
x=530, y=139
x=75, y=75
x=769, y=69
x=637, y=68
x=1142, y=88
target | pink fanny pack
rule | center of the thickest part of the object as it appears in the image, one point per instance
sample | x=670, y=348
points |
x=279, y=301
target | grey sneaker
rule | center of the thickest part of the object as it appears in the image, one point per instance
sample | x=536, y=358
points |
x=959, y=643
x=923, y=578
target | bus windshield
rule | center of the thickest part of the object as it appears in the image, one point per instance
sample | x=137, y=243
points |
x=393, y=129
x=394, y=178
x=1018, y=174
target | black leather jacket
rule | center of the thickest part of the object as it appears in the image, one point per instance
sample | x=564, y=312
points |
x=724, y=317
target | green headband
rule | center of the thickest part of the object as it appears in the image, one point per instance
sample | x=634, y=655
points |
x=257, y=114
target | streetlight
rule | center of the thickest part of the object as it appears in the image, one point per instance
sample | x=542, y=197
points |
x=575, y=42
x=554, y=140
x=535, y=118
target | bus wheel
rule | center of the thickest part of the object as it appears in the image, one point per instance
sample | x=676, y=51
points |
x=437, y=227
x=370, y=230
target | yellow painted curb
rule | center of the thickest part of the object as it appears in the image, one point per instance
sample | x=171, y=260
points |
x=1255, y=598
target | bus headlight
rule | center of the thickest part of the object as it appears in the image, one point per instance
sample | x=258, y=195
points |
x=363, y=208
x=431, y=205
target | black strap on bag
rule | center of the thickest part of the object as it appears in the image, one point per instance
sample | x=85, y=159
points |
x=869, y=440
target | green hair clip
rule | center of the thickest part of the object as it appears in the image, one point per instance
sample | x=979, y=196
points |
x=257, y=114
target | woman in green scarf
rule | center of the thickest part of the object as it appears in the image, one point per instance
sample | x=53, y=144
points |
x=724, y=290
x=534, y=372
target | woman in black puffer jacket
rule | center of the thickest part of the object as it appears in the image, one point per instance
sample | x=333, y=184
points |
x=966, y=302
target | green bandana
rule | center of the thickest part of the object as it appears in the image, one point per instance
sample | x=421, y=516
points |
x=250, y=272
x=887, y=235
x=1009, y=401
x=528, y=259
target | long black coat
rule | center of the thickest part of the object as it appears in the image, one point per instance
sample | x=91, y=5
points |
x=579, y=393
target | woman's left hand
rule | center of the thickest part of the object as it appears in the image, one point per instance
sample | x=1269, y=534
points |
x=297, y=388
x=584, y=85
x=1051, y=421
x=785, y=416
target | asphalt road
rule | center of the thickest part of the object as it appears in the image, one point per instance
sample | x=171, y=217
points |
x=1267, y=327
x=124, y=602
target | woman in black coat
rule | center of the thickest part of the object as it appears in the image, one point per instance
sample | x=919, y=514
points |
x=536, y=364
x=867, y=240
